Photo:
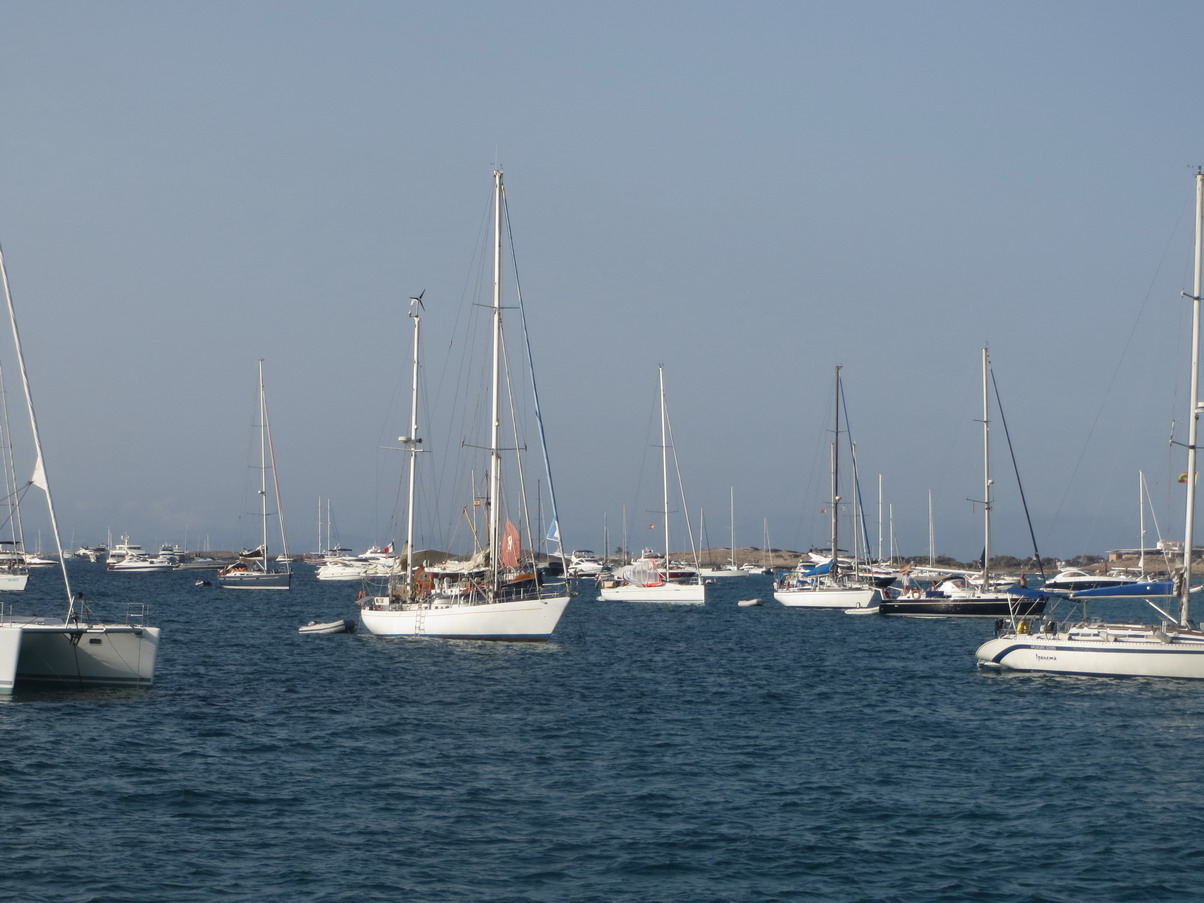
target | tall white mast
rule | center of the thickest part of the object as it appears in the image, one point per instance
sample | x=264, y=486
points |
x=495, y=455
x=1193, y=420
x=660, y=370
x=931, y=534
x=732, y=519
x=412, y=442
x=880, y=556
x=263, y=468
x=1141, y=521
x=835, y=471
x=986, y=477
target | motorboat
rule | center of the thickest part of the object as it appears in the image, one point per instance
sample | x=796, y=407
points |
x=1072, y=580
x=584, y=563
x=375, y=562
x=130, y=558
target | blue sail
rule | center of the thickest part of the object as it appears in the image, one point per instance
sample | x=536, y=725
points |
x=818, y=571
x=1157, y=588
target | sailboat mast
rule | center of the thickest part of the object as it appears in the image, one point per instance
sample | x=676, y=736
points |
x=412, y=441
x=39, y=478
x=263, y=467
x=495, y=457
x=1193, y=421
x=931, y=534
x=664, y=463
x=880, y=556
x=986, y=476
x=732, y=521
x=1141, y=522
x=835, y=472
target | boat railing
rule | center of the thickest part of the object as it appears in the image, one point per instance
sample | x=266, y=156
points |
x=136, y=614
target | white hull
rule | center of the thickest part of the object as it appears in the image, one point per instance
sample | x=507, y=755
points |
x=314, y=628
x=13, y=582
x=256, y=580
x=147, y=566
x=341, y=572
x=722, y=572
x=523, y=619
x=1114, y=650
x=78, y=654
x=680, y=593
x=840, y=597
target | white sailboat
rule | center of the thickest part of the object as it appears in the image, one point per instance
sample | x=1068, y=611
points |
x=500, y=593
x=1175, y=647
x=729, y=569
x=652, y=577
x=77, y=649
x=829, y=585
x=254, y=568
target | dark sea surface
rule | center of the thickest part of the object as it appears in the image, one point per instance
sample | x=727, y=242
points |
x=647, y=753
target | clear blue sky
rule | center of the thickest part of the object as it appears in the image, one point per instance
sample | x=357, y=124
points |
x=746, y=193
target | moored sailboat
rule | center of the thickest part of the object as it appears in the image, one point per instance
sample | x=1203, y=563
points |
x=499, y=593
x=962, y=595
x=80, y=649
x=829, y=584
x=1173, y=648
x=254, y=568
x=652, y=577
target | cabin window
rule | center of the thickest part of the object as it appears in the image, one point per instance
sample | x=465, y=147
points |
x=94, y=641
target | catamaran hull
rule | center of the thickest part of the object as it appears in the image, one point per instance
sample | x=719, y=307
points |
x=679, y=593
x=524, y=619
x=1141, y=656
x=77, y=655
x=833, y=598
x=969, y=607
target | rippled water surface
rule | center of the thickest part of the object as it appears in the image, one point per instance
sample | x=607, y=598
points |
x=648, y=753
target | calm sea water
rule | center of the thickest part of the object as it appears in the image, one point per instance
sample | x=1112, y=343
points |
x=646, y=754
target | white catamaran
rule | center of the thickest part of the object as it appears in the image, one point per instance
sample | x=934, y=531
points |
x=77, y=649
x=254, y=568
x=500, y=593
x=1173, y=648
